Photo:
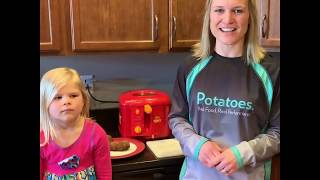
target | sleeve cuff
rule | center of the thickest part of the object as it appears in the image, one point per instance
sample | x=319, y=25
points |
x=236, y=152
x=198, y=147
x=246, y=153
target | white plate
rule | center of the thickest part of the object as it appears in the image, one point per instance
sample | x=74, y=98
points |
x=131, y=149
x=135, y=148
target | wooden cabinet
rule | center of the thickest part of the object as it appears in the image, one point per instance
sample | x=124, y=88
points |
x=114, y=24
x=125, y=25
x=269, y=18
x=77, y=26
x=186, y=23
x=185, y=26
x=49, y=25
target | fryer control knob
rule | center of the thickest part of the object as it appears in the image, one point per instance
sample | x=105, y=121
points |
x=147, y=109
x=137, y=129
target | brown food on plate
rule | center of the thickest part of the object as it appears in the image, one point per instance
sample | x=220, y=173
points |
x=119, y=146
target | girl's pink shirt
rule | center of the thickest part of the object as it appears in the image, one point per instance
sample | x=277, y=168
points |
x=92, y=147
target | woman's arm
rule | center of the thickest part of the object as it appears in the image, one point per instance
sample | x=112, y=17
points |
x=266, y=144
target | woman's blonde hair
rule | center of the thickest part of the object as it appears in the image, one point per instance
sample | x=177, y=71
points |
x=252, y=51
x=51, y=82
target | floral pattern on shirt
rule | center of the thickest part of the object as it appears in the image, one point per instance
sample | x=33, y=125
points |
x=87, y=174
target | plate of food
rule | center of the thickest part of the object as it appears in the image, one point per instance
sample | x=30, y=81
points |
x=121, y=147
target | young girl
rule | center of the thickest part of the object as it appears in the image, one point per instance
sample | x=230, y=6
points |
x=72, y=146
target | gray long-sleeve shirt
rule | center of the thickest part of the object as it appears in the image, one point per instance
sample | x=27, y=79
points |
x=227, y=103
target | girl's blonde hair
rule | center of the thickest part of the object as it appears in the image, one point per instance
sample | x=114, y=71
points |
x=252, y=51
x=51, y=82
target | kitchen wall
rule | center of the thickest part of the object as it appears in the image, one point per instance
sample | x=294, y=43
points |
x=118, y=72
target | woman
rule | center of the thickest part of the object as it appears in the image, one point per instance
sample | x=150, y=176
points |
x=226, y=99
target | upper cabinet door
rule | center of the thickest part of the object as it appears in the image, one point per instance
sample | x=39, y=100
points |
x=49, y=26
x=102, y=25
x=185, y=22
x=269, y=23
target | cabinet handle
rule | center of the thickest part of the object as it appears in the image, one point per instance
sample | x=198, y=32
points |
x=174, y=27
x=156, y=28
x=263, y=27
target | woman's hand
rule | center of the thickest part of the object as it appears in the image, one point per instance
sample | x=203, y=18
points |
x=208, y=153
x=227, y=162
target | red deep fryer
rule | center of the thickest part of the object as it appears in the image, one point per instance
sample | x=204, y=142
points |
x=144, y=113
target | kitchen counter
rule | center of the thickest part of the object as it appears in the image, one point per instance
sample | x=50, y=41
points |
x=146, y=166
x=145, y=159
x=141, y=166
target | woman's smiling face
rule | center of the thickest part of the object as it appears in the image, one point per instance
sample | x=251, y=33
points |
x=229, y=21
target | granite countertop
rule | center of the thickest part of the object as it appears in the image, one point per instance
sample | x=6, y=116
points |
x=144, y=160
x=108, y=119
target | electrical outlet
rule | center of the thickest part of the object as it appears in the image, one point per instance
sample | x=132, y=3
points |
x=88, y=80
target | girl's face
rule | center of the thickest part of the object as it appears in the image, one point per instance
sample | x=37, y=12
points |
x=229, y=21
x=67, y=105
